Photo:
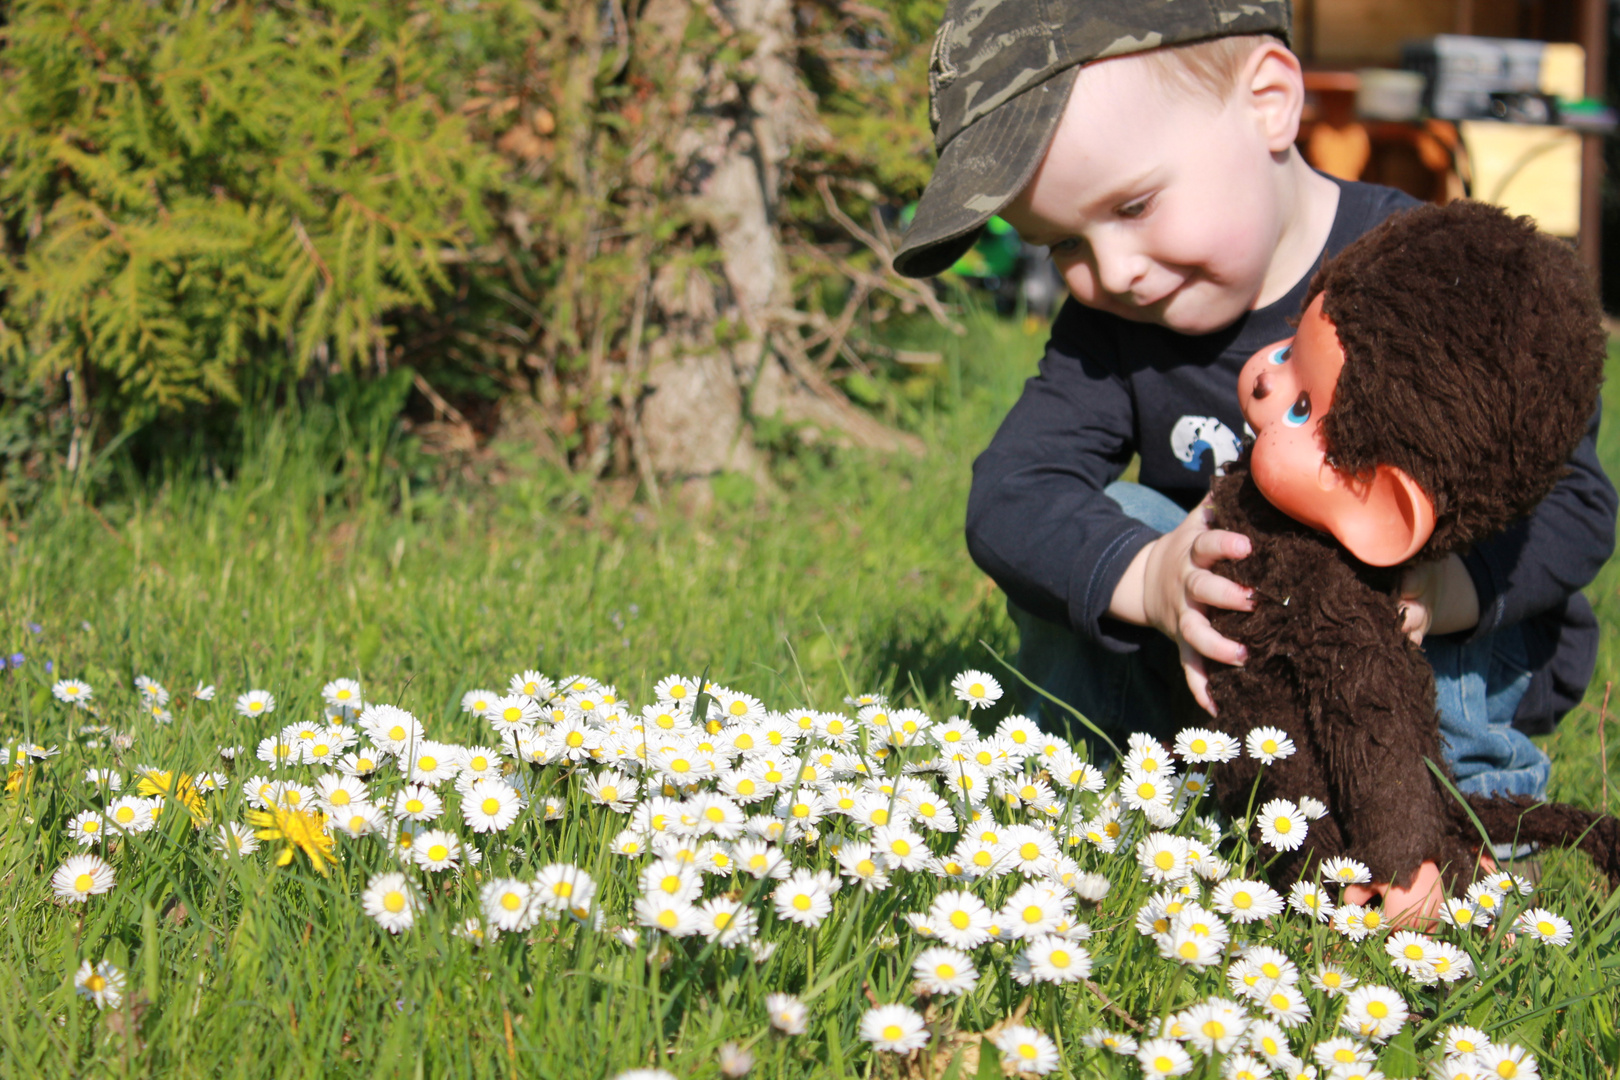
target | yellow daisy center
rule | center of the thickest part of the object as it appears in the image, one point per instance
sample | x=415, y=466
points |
x=893, y=1033
x=801, y=902
x=83, y=883
x=394, y=902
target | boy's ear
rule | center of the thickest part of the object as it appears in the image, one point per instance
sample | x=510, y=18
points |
x=1388, y=522
x=1275, y=84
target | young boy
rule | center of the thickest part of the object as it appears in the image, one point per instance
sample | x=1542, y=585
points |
x=1151, y=148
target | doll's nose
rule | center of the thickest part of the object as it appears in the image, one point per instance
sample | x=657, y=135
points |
x=1262, y=386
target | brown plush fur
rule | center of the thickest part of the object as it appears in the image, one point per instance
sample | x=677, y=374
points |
x=1474, y=353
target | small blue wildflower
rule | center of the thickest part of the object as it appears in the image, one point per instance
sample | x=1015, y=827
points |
x=34, y=628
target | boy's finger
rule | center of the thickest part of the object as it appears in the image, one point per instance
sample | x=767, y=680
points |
x=1209, y=548
x=1204, y=640
x=1197, y=681
x=1210, y=588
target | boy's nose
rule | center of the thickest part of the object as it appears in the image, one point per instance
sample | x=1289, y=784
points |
x=1262, y=386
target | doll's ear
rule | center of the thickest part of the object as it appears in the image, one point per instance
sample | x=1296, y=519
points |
x=1389, y=521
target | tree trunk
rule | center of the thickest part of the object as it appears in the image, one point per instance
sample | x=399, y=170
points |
x=736, y=145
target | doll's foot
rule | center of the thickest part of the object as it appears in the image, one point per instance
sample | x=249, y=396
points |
x=1417, y=905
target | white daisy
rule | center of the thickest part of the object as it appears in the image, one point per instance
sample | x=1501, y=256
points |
x=343, y=694
x=727, y=922
x=1545, y=926
x=87, y=827
x=564, y=888
x=1333, y=980
x=1099, y=1038
x=490, y=806
x=787, y=1013
x=1162, y=857
x=81, y=877
x=805, y=897
x=479, y=702
x=256, y=703
x=360, y=819
x=673, y=916
x=1282, y=825
x=898, y=1029
x=101, y=983
x=1284, y=1004
x=391, y=901
x=1269, y=744
x=72, y=691
x=1215, y=1026
x=1461, y=1039
x=1053, y=959
x=507, y=904
x=1509, y=1062
x=1309, y=898
x=1163, y=1057
x=960, y=919
x=943, y=970
x=1374, y=1012
x=436, y=849
x=1346, y=871
x=976, y=689
x=417, y=803
x=1026, y=1050
x=234, y=840
x=335, y=792
x=1247, y=901
x=534, y=685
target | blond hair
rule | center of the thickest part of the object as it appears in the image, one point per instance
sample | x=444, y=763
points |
x=1205, y=67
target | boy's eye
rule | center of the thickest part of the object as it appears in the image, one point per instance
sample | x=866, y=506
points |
x=1281, y=355
x=1134, y=209
x=1300, y=411
x=1064, y=247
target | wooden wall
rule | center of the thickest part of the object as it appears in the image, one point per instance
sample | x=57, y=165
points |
x=1360, y=33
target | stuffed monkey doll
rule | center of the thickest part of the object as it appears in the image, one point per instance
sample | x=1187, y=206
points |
x=1445, y=368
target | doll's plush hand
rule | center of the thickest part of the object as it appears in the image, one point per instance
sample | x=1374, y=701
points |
x=1438, y=598
x=1170, y=586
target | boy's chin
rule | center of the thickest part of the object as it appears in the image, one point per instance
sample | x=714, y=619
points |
x=1188, y=313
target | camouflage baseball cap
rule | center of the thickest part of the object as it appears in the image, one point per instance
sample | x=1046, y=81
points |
x=998, y=80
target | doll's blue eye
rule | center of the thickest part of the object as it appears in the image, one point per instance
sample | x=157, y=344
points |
x=1300, y=411
x=1280, y=356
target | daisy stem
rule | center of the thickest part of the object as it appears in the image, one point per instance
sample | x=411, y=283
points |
x=1248, y=813
x=1170, y=994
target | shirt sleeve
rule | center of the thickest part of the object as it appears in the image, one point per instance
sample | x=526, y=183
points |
x=1536, y=564
x=1038, y=522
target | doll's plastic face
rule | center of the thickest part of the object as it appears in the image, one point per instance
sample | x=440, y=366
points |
x=1285, y=390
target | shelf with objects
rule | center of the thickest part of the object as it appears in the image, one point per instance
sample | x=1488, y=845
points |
x=1505, y=120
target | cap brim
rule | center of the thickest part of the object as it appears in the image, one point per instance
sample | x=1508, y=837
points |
x=980, y=172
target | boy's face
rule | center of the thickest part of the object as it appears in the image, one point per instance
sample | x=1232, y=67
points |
x=1159, y=204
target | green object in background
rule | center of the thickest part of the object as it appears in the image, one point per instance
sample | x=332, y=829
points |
x=994, y=255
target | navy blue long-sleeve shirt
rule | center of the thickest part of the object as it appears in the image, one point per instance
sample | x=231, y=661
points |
x=1039, y=524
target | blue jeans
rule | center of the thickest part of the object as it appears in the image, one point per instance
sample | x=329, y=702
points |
x=1478, y=683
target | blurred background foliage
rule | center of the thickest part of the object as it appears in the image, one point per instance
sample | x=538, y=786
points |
x=470, y=222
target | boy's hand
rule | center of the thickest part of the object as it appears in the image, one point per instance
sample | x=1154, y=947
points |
x=1438, y=598
x=1170, y=586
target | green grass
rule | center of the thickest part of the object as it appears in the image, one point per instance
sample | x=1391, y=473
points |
x=314, y=560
